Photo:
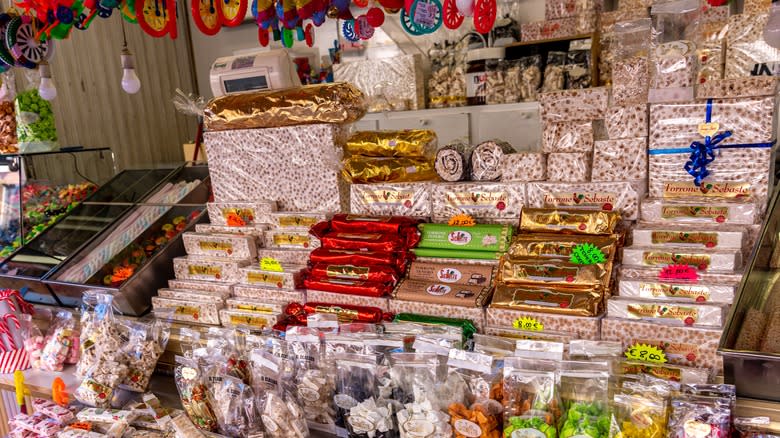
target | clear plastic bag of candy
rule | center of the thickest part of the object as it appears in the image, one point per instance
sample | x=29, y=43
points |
x=479, y=412
x=361, y=408
x=194, y=394
x=61, y=339
x=314, y=383
x=282, y=416
x=640, y=416
x=8, y=141
x=234, y=406
x=585, y=399
x=413, y=376
x=99, y=329
x=35, y=127
x=148, y=340
x=531, y=402
x=103, y=377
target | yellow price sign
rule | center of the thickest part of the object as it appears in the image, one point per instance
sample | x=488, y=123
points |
x=461, y=220
x=270, y=264
x=528, y=324
x=645, y=353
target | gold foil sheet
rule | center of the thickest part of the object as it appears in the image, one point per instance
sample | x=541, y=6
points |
x=585, y=301
x=569, y=221
x=361, y=170
x=557, y=245
x=322, y=103
x=411, y=143
x=552, y=272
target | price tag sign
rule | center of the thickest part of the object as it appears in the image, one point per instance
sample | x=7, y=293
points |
x=678, y=272
x=528, y=324
x=645, y=353
x=587, y=254
x=270, y=264
x=462, y=220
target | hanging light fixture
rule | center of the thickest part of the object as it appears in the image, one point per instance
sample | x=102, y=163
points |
x=46, y=89
x=130, y=81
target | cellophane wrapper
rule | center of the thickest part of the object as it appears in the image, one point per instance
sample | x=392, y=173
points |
x=389, y=84
x=581, y=327
x=310, y=104
x=523, y=166
x=480, y=200
x=617, y=160
x=567, y=137
x=574, y=105
x=401, y=199
x=741, y=87
x=723, y=260
x=689, y=346
x=569, y=166
x=630, y=79
x=220, y=245
x=655, y=289
x=549, y=29
x=298, y=166
x=750, y=7
x=667, y=313
x=559, y=9
x=700, y=210
x=363, y=170
x=710, y=50
x=209, y=269
x=673, y=65
x=745, y=46
x=608, y=196
x=584, y=301
x=629, y=121
x=712, y=235
x=410, y=143
x=202, y=312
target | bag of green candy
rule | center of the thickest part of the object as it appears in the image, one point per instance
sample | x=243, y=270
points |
x=35, y=127
x=584, y=389
x=531, y=405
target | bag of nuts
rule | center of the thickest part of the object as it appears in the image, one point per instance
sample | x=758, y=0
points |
x=7, y=114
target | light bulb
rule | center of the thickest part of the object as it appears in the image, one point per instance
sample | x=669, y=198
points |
x=772, y=29
x=130, y=82
x=46, y=89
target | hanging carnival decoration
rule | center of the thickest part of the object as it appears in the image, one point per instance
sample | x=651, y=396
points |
x=157, y=17
x=207, y=16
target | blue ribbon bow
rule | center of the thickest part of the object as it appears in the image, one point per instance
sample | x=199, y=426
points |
x=703, y=153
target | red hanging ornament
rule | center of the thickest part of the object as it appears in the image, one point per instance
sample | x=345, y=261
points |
x=484, y=15
x=262, y=36
x=375, y=17
x=452, y=18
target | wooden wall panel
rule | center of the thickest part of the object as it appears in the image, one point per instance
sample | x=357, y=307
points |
x=92, y=110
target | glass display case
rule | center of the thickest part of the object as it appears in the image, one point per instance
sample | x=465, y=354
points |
x=750, y=344
x=128, y=210
x=133, y=257
x=39, y=188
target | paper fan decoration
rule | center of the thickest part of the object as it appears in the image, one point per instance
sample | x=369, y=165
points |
x=484, y=15
x=206, y=15
x=452, y=17
x=158, y=18
x=233, y=11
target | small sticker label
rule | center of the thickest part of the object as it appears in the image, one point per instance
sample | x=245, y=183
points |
x=718, y=214
x=254, y=308
x=308, y=394
x=709, y=129
x=400, y=198
x=461, y=220
x=688, y=315
x=645, y=353
x=684, y=189
x=270, y=264
x=189, y=373
x=587, y=254
x=678, y=272
x=468, y=428
x=459, y=237
x=662, y=290
x=449, y=275
x=602, y=200
x=418, y=428
x=528, y=324
x=654, y=258
x=262, y=278
x=707, y=239
x=208, y=245
x=477, y=199
x=187, y=310
x=252, y=321
x=246, y=214
x=292, y=240
x=296, y=221
x=344, y=401
x=209, y=271
x=438, y=289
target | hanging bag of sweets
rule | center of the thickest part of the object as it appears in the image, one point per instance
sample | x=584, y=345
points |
x=99, y=329
x=194, y=394
x=35, y=127
x=103, y=378
x=313, y=380
x=148, y=342
x=8, y=141
x=361, y=408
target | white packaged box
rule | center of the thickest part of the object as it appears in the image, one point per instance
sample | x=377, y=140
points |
x=666, y=312
x=700, y=259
